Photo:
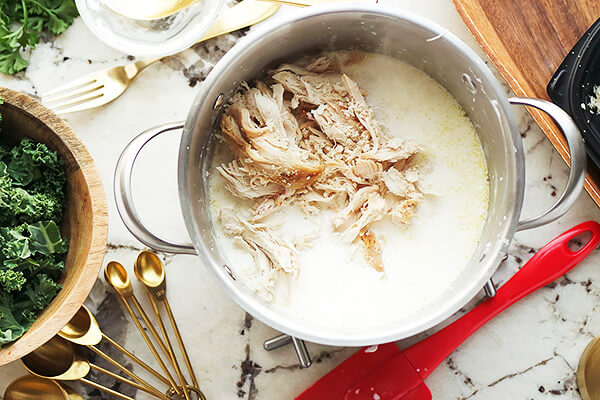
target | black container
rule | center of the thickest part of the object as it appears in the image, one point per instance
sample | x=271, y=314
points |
x=573, y=84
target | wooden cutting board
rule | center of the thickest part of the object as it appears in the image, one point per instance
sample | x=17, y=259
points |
x=527, y=40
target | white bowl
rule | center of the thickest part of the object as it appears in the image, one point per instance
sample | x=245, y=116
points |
x=149, y=38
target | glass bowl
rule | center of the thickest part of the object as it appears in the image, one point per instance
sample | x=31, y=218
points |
x=149, y=38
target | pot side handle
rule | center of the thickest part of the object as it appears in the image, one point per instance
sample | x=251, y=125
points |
x=578, y=162
x=124, y=198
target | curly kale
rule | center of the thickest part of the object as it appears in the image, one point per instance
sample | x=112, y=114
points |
x=32, y=180
x=32, y=251
x=23, y=21
x=12, y=280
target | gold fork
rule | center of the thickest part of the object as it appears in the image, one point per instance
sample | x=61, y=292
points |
x=102, y=87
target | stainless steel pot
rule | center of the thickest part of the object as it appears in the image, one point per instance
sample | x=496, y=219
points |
x=374, y=28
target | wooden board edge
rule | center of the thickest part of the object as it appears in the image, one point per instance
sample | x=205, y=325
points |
x=544, y=121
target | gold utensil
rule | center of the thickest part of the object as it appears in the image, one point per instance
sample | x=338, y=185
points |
x=57, y=359
x=152, y=11
x=588, y=371
x=101, y=87
x=198, y=392
x=148, y=270
x=160, y=290
x=116, y=276
x=83, y=329
x=151, y=272
x=32, y=388
x=71, y=394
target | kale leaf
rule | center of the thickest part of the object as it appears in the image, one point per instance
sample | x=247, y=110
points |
x=45, y=238
x=22, y=22
x=32, y=250
x=32, y=180
x=41, y=291
x=10, y=328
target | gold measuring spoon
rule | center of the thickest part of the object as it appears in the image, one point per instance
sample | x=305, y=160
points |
x=151, y=272
x=142, y=272
x=32, y=387
x=71, y=394
x=588, y=372
x=83, y=329
x=116, y=276
x=57, y=359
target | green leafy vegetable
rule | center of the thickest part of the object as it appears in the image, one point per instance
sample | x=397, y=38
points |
x=32, y=251
x=45, y=238
x=12, y=280
x=23, y=21
x=42, y=291
x=11, y=328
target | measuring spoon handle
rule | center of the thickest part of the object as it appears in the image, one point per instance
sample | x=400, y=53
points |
x=105, y=389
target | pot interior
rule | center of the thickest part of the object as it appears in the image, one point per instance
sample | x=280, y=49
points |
x=416, y=41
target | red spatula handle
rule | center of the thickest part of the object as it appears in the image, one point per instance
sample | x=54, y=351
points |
x=552, y=261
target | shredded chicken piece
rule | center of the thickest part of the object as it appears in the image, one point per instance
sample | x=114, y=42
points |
x=402, y=183
x=367, y=169
x=309, y=137
x=372, y=251
x=242, y=183
x=260, y=128
x=261, y=239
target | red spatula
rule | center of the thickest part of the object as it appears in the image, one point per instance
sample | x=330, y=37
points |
x=389, y=373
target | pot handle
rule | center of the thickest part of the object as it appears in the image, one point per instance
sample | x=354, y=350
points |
x=578, y=162
x=124, y=199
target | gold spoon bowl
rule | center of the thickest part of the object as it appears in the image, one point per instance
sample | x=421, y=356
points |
x=588, y=371
x=150, y=271
x=71, y=394
x=57, y=359
x=36, y=388
x=82, y=329
x=118, y=278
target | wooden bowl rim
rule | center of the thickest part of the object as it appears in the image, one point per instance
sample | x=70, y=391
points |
x=40, y=334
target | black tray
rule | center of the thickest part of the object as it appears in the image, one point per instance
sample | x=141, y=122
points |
x=573, y=84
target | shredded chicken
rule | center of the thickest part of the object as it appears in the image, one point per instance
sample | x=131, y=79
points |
x=261, y=239
x=306, y=135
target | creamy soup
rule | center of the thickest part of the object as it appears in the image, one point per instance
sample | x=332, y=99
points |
x=336, y=286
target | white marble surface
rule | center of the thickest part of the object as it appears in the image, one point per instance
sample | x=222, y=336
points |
x=529, y=352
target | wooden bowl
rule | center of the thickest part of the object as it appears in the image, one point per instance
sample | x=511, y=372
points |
x=85, y=221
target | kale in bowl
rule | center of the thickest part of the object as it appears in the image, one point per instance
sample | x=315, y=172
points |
x=32, y=251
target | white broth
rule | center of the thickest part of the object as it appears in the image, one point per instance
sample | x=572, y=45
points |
x=336, y=287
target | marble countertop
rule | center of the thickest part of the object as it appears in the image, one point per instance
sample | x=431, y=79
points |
x=529, y=352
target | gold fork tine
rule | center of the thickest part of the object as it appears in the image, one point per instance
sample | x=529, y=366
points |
x=100, y=101
x=84, y=80
x=72, y=93
x=78, y=100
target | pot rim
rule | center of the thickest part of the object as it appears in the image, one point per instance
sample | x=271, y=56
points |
x=258, y=309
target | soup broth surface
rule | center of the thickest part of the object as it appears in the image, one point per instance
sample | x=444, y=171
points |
x=335, y=286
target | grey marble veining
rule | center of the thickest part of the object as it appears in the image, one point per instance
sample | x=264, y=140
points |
x=529, y=352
